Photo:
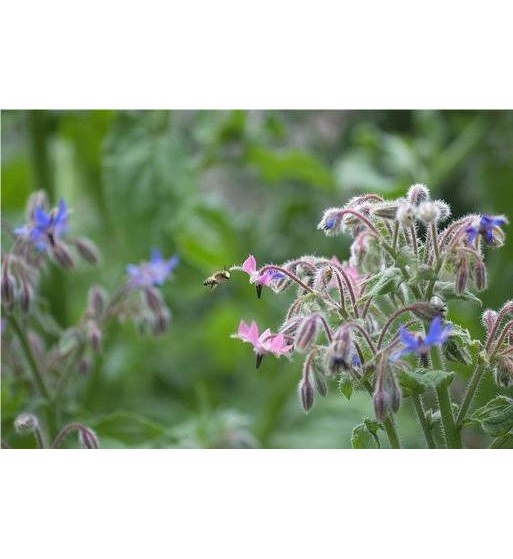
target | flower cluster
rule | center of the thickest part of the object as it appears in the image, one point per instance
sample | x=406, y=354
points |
x=378, y=321
x=45, y=238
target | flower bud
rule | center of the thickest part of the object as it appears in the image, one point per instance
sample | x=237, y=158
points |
x=8, y=283
x=455, y=352
x=306, y=393
x=96, y=301
x=339, y=354
x=488, y=319
x=331, y=221
x=427, y=311
x=460, y=281
x=405, y=214
x=417, y=193
x=428, y=212
x=394, y=391
x=26, y=423
x=322, y=278
x=84, y=366
x=387, y=210
x=87, y=438
x=444, y=209
x=87, y=250
x=154, y=300
x=26, y=297
x=381, y=401
x=289, y=327
x=94, y=335
x=161, y=322
x=62, y=255
x=321, y=386
x=306, y=333
x=480, y=275
x=503, y=372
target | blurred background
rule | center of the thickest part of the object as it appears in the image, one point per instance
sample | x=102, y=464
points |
x=214, y=186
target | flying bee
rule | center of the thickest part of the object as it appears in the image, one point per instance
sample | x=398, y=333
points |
x=217, y=278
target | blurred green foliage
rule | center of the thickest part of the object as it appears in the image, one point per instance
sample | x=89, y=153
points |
x=214, y=186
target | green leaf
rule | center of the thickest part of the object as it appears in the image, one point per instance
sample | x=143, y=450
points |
x=506, y=441
x=365, y=435
x=130, y=428
x=457, y=346
x=345, y=386
x=447, y=291
x=496, y=417
x=420, y=380
x=291, y=165
x=383, y=283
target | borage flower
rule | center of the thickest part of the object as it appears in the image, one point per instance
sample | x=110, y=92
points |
x=154, y=272
x=486, y=226
x=250, y=267
x=45, y=228
x=267, y=342
x=415, y=343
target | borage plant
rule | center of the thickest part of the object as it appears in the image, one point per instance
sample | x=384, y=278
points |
x=378, y=322
x=35, y=349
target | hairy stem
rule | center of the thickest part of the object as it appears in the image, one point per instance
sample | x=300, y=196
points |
x=469, y=394
x=421, y=414
x=391, y=431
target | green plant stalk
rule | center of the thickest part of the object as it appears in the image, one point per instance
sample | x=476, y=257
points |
x=451, y=434
x=391, y=431
x=421, y=414
x=36, y=373
x=388, y=423
x=469, y=394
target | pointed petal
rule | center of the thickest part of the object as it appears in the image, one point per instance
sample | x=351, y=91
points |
x=41, y=218
x=249, y=265
x=156, y=256
x=407, y=338
x=253, y=333
x=435, y=331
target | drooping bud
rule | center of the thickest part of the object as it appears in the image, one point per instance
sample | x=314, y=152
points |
x=8, y=283
x=87, y=250
x=306, y=333
x=488, y=319
x=340, y=351
x=26, y=423
x=426, y=311
x=387, y=210
x=394, y=391
x=444, y=209
x=455, y=352
x=322, y=278
x=94, y=335
x=306, y=393
x=84, y=366
x=428, y=212
x=405, y=213
x=161, y=321
x=26, y=297
x=359, y=247
x=96, y=301
x=480, y=275
x=417, y=193
x=503, y=372
x=461, y=278
x=289, y=327
x=62, y=255
x=331, y=221
x=88, y=438
x=154, y=299
x=382, y=402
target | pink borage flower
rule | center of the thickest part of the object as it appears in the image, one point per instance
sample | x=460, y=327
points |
x=267, y=342
x=250, y=267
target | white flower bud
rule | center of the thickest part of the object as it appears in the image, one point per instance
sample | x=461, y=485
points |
x=428, y=212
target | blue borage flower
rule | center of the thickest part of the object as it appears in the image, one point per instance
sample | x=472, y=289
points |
x=415, y=343
x=485, y=227
x=45, y=228
x=154, y=272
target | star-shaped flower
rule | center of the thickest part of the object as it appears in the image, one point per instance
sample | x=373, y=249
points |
x=485, y=227
x=267, y=342
x=44, y=227
x=250, y=267
x=154, y=272
x=415, y=343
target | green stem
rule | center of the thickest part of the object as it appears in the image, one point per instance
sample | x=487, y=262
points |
x=391, y=431
x=469, y=394
x=421, y=414
x=36, y=372
x=402, y=267
x=451, y=434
